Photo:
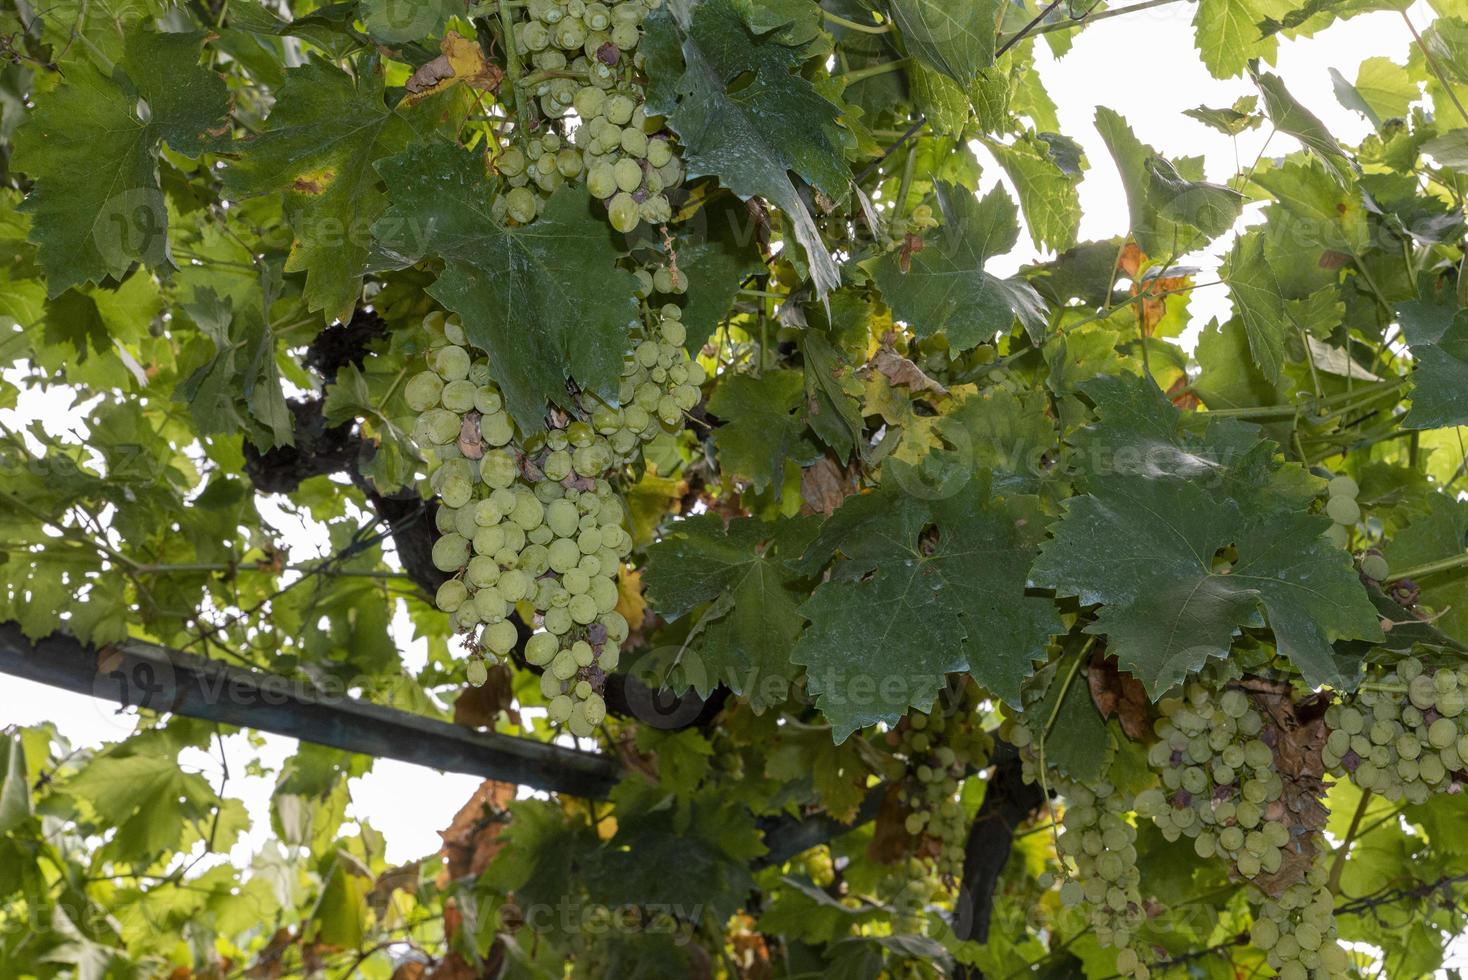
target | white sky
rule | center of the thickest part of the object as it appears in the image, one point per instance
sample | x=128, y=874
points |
x=1142, y=65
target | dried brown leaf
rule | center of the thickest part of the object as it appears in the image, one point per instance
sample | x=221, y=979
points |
x=890, y=841
x=472, y=838
x=900, y=371
x=823, y=486
x=479, y=707
x=1115, y=691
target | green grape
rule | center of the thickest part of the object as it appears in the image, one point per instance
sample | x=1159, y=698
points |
x=628, y=174
x=522, y=204
x=1343, y=510
x=1343, y=486
x=1375, y=567
x=451, y=595
x=476, y=673
x=623, y=212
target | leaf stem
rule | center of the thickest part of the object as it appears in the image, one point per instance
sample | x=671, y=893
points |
x=872, y=71
x=852, y=25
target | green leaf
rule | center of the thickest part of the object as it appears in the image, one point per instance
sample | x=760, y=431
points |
x=1383, y=90
x=1289, y=116
x=546, y=300
x=945, y=289
x=322, y=137
x=15, y=788
x=748, y=633
x=1257, y=295
x=1159, y=235
x=147, y=799
x=1048, y=192
x=1232, y=121
x=91, y=149
x=1439, y=534
x=925, y=588
x=337, y=919
x=1228, y=36
x=239, y=374
x=764, y=426
x=743, y=116
x=715, y=256
x=396, y=21
x=1211, y=208
x=1437, y=334
x=957, y=39
x=1183, y=541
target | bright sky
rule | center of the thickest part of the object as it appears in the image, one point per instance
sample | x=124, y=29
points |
x=1142, y=65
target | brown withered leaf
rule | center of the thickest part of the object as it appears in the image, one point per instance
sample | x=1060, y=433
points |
x=409, y=970
x=900, y=371
x=1296, y=732
x=472, y=839
x=268, y=962
x=823, y=486
x=404, y=877
x=461, y=61
x=1117, y=692
x=479, y=707
x=890, y=841
x=1184, y=399
x=911, y=245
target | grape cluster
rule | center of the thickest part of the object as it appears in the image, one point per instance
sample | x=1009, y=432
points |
x=938, y=752
x=1297, y=931
x=584, y=54
x=1100, y=840
x=1342, y=508
x=1219, y=784
x=1406, y=738
x=534, y=525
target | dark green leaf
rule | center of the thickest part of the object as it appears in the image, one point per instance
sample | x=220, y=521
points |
x=546, y=300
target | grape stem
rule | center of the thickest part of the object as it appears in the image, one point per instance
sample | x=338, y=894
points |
x=512, y=65
x=1070, y=677
x=861, y=74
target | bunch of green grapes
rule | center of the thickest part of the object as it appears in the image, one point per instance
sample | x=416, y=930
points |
x=586, y=57
x=938, y=752
x=1297, y=930
x=1342, y=508
x=1097, y=847
x=1219, y=784
x=1405, y=738
x=533, y=526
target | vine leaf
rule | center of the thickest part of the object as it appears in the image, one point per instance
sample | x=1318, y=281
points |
x=1289, y=116
x=146, y=797
x=764, y=426
x=91, y=150
x=1438, y=337
x=1047, y=189
x=397, y=21
x=924, y=588
x=323, y=135
x=240, y=373
x=1183, y=542
x=1158, y=227
x=1256, y=292
x=1227, y=33
x=957, y=39
x=744, y=116
x=714, y=257
x=543, y=300
x=747, y=635
x=945, y=288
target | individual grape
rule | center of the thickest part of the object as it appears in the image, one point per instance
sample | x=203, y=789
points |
x=1343, y=486
x=1375, y=567
x=522, y=204
x=1343, y=510
x=623, y=213
x=476, y=673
